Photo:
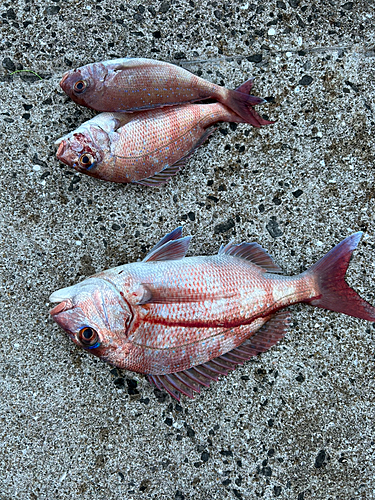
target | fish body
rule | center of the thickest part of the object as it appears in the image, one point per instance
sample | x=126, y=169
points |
x=147, y=147
x=185, y=320
x=134, y=84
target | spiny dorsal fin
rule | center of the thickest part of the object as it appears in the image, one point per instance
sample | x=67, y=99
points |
x=176, y=234
x=121, y=63
x=253, y=253
x=171, y=250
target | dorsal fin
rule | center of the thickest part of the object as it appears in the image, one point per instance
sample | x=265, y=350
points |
x=171, y=250
x=253, y=253
x=176, y=234
x=110, y=122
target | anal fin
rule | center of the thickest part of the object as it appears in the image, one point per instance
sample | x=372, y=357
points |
x=164, y=175
x=192, y=380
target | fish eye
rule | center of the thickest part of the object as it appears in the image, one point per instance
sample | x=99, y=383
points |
x=80, y=86
x=86, y=160
x=89, y=337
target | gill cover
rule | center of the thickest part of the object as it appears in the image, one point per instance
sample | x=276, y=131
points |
x=91, y=311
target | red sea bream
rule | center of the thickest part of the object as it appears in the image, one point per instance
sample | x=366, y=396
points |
x=146, y=147
x=134, y=84
x=184, y=321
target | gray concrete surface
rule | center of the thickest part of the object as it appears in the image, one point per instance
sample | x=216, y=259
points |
x=295, y=423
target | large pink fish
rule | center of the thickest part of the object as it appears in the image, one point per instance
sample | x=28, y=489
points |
x=146, y=147
x=137, y=84
x=185, y=321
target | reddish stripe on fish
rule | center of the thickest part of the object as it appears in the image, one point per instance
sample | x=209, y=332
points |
x=184, y=321
x=146, y=147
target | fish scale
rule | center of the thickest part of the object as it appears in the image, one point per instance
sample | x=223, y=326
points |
x=151, y=146
x=195, y=351
x=147, y=143
x=133, y=84
x=203, y=290
x=181, y=319
x=176, y=87
x=169, y=131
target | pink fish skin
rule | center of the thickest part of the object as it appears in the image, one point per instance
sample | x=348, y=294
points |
x=186, y=320
x=136, y=84
x=147, y=147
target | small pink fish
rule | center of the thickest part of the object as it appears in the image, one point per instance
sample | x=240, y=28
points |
x=185, y=321
x=137, y=84
x=146, y=147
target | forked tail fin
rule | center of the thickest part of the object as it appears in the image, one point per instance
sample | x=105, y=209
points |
x=242, y=103
x=335, y=293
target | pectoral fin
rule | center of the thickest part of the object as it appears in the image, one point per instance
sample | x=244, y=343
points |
x=171, y=247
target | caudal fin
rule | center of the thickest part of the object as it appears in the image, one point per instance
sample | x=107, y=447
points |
x=242, y=103
x=246, y=87
x=335, y=293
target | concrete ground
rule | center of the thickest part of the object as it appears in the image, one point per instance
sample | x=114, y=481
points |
x=294, y=423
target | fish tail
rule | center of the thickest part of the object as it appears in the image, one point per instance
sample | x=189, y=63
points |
x=243, y=104
x=246, y=87
x=335, y=293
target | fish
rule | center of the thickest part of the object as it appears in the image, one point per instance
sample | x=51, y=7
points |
x=146, y=147
x=135, y=84
x=184, y=321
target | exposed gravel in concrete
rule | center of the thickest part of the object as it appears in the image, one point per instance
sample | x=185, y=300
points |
x=294, y=423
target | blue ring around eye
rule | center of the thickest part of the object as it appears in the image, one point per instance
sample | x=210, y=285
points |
x=85, y=164
x=92, y=346
x=92, y=165
x=97, y=344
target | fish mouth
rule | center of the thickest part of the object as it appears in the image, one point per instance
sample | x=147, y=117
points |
x=60, y=151
x=63, y=79
x=63, y=155
x=63, y=298
x=65, y=305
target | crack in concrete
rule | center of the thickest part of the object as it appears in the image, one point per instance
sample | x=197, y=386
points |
x=335, y=48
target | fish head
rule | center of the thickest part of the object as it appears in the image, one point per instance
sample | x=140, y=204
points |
x=85, y=151
x=96, y=318
x=85, y=85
